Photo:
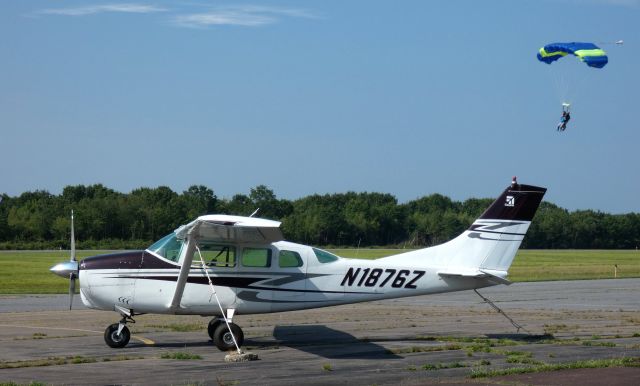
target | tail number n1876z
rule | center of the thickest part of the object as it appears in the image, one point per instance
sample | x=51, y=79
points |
x=368, y=277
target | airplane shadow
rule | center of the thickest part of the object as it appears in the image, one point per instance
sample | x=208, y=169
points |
x=326, y=342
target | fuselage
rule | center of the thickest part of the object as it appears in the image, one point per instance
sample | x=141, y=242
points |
x=252, y=278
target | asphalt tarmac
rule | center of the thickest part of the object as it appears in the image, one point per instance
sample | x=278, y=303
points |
x=442, y=339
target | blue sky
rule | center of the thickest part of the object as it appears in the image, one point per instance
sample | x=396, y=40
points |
x=403, y=97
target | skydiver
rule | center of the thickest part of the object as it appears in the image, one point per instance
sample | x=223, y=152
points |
x=566, y=116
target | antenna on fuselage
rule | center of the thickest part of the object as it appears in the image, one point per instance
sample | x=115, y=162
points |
x=254, y=212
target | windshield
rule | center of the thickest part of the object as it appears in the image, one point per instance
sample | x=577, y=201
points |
x=168, y=247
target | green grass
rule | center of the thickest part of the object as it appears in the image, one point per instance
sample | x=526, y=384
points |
x=28, y=271
x=543, y=265
x=588, y=364
x=367, y=253
x=58, y=361
x=414, y=349
x=521, y=357
x=441, y=366
x=33, y=383
x=180, y=356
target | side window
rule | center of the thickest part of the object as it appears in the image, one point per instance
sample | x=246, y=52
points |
x=256, y=257
x=324, y=256
x=289, y=259
x=215, y=255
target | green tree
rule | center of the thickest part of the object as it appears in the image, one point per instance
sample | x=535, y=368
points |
x=373, y=219
x=269, y=206
x=199, y=200
x=317, y=220
x=32, y=214
x=424, y=220
x=240, y=204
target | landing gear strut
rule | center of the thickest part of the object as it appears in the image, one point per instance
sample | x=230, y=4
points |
x=221, y=336
x=117, y=335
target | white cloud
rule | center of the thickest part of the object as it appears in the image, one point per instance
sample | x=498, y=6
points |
x=102, y=8
x=196, y=20
x=240, y=15
x=246, y=15
x=613, y=3
x=623, y=3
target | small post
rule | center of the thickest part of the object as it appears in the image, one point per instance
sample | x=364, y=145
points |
x=615, y=271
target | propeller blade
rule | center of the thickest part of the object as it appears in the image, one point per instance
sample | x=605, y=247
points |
x=72, y=288
x=69, y=269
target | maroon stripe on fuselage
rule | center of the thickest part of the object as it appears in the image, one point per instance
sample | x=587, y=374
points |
x=126, y=260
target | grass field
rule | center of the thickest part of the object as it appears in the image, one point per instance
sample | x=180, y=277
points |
x=28, y=271
x=554, y=264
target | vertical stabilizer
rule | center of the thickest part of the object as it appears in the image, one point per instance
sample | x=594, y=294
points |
x=505, y=223
x=488, y=247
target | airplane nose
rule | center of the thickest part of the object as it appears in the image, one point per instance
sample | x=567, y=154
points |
x=65, y=269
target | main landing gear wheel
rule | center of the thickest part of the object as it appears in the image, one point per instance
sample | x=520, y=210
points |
x=115, y=340
x=222, y=337
x=213, y=324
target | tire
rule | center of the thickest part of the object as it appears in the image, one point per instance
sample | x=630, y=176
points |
x=114, y=340
x=222, y=338
x=213, y=324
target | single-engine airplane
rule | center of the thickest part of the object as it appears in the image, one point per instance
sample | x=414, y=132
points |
x=245, y=263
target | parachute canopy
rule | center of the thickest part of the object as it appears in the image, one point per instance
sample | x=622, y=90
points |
x=589, y=53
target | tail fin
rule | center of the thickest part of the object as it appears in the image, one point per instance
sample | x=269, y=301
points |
x=488, y=247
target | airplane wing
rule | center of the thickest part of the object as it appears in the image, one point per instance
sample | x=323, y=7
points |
x=225, y=228
x=222, y=228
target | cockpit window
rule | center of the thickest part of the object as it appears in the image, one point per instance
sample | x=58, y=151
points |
x=168, y=247
x=215, y=255
x=256, y=257
x=324, y=256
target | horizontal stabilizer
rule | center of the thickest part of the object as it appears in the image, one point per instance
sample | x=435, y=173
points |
x=494, y=277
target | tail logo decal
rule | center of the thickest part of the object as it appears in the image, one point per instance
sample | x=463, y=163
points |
x=497, y=226
x=492, y=229
x=510, y=201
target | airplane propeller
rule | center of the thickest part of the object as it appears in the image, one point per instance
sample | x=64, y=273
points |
x=69, y=269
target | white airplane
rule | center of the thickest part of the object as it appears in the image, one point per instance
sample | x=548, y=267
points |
x=245, y=263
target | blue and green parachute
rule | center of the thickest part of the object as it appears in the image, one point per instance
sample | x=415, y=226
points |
x=589, y=53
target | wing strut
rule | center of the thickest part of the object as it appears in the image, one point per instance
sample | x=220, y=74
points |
x=184, y=270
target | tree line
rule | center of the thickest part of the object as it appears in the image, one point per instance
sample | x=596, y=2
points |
x=106, y=219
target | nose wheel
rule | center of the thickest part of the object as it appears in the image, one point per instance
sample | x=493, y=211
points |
x=118, y=335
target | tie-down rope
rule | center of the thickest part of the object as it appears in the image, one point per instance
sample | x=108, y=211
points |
x=213, y=291
x=489, y=302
